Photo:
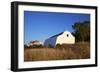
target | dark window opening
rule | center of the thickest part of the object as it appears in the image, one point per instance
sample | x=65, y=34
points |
x=67, y=35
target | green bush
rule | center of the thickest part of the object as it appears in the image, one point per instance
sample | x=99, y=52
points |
x=58, y=46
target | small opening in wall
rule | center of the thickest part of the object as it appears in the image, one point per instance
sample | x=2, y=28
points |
x=67, y=35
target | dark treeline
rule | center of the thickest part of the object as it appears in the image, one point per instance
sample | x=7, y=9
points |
x=34, y=46
x=81, y=31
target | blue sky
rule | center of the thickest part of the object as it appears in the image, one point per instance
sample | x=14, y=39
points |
x=42, y=25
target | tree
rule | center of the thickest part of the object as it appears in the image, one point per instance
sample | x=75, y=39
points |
x=82, y=31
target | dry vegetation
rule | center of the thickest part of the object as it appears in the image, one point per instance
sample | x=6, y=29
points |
x=75, y=51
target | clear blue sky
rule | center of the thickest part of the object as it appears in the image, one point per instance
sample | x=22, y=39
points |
x=42, y=25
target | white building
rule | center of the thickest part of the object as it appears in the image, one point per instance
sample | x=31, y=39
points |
x=62, y=38
x=35, y=42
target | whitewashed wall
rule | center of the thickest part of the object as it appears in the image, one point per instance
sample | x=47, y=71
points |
x=64, y=39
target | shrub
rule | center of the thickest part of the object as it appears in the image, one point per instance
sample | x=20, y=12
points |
x=25, y=46
x=58, y=46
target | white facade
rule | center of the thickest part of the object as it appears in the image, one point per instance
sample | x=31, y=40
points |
x=35, y=42
x=62, y=38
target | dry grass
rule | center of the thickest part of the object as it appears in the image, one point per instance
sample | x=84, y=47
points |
x=76, y=51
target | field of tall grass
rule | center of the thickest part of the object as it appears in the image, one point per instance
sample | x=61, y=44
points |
x=63, y=52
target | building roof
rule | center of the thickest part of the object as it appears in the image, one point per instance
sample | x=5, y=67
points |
x=57, y=35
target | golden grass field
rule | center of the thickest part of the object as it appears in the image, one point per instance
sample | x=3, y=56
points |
x=66, y=52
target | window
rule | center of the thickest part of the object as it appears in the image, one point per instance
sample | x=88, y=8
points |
x=67, y=35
